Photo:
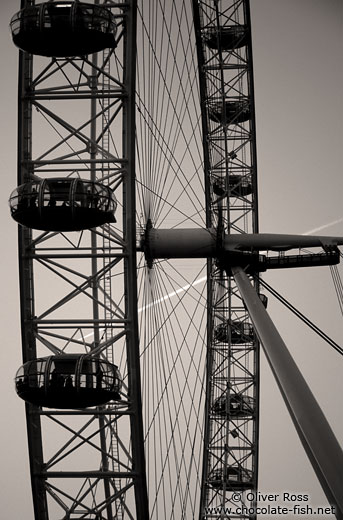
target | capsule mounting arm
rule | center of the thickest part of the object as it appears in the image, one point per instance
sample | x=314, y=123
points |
x=204, y=243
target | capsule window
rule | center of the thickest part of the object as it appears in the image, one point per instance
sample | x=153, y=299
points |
x=27, y=20
x=89, y=375
x=61, y=375
x=31, y=375
x=57, y=16
x=56, y=193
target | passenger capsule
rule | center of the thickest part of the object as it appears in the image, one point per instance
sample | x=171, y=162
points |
x=236, y=186
x=61, y=29
x=239, y=405
x=68, y=381
x=62, y=204
x=235, y=477
x=239, y=186
x=233, y=112
x=237, y=332
x=227, y=37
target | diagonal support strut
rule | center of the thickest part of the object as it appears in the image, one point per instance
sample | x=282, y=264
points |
x=316, y=435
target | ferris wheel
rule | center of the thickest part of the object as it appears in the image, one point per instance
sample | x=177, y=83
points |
x=138, y=209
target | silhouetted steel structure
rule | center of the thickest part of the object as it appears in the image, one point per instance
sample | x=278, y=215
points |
x=227, y=92
x=67, y=179
x=99, y=154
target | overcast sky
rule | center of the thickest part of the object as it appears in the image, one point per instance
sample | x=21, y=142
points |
x=298, y=86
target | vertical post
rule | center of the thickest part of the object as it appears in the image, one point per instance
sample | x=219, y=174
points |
x=130, y=268
x=319, y=441
x=27, y=310
x=94, y=270
x=253, y=160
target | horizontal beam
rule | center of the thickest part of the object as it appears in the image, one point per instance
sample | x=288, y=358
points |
x=71, y=95
x=87, y=474
x=85, y=160
x=76, y=255
x=89, y=411
x=78, y=322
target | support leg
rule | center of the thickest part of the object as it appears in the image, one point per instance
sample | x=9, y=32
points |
x=315, y=433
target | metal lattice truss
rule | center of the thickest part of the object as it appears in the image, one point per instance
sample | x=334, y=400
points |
x=73, y=289
x=230, y=162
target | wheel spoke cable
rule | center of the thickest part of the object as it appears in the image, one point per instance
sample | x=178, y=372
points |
x=300, y=315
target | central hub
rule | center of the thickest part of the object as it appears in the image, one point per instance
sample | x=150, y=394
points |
x=178, y=243
x=196, y=243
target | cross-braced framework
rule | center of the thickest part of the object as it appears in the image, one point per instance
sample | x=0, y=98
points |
x=226, y=81
x=78, y=289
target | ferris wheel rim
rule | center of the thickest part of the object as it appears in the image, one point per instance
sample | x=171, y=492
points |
x=150, y=224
